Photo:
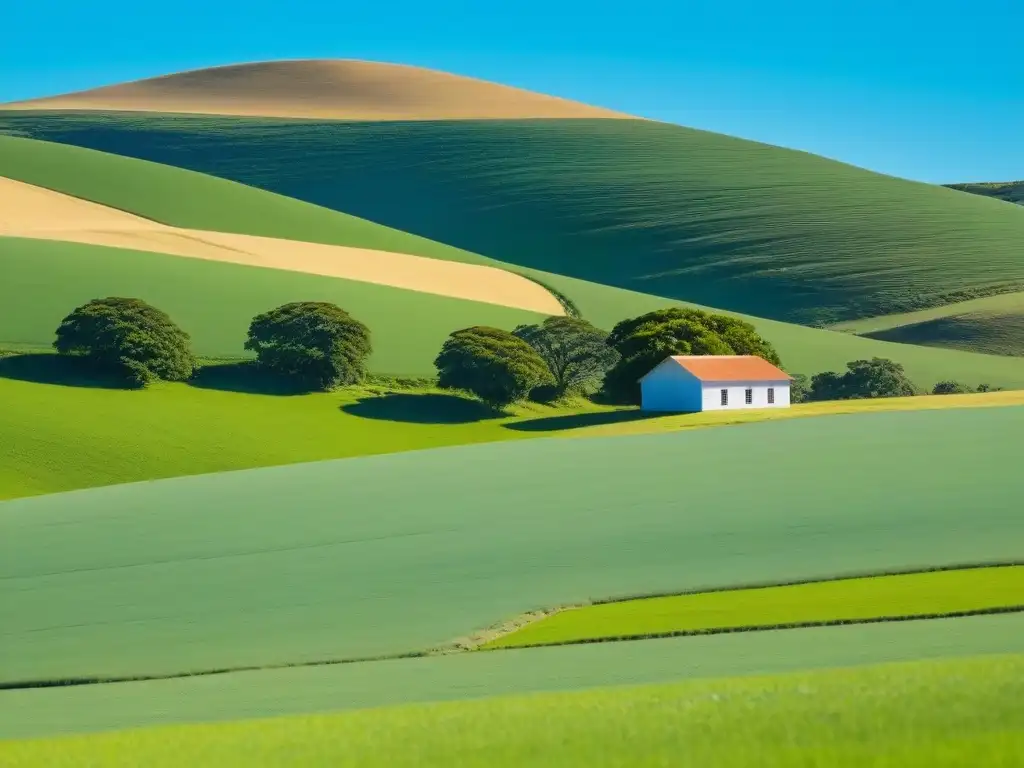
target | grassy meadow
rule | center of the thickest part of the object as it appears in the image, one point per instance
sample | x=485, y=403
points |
x=927, y=714
x=48, y=712
x=387, y=554
x=648, y=206
x=895, y=596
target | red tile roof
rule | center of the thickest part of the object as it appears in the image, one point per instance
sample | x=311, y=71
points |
x=731, y=368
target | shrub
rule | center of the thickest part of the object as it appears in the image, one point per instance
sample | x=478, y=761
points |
x=950, y=388
x=988, y=388
x=877, y=377
x=129, y=338
x=495, y=365
x=645, y=341
x=575, y=352
x=799, y=388
x=316, y=345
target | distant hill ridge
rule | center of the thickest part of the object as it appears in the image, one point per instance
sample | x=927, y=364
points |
x=324, y=89
x=1010, y=191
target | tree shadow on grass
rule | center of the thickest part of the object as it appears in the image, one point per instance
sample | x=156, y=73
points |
x=427, y=408
x=244, y=377
x=50, y=368
x=578, y=420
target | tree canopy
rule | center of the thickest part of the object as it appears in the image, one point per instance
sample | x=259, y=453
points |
x=950, y=387
x=495, y=365
x=127, y=337
x=575, y=351
x=877, y=377
x=643, y=342
x=315, y=344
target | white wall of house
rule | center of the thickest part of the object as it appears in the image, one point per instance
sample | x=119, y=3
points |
x=737, y=395
x=671, y=388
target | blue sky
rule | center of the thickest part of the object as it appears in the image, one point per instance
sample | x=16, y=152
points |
x=926, y=90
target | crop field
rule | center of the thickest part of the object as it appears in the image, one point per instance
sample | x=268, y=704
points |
x=575, y=197
x=382, y=555
x=935, y=713
x=848, y=600
x=48, y=712
x=214, y=302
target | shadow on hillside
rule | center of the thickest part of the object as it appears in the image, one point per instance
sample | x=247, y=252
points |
x=577, y=420
x=242, y=377
x=49, y=368
x=428, y=408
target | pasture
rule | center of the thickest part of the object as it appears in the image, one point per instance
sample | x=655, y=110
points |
x=388, y=554
x=900, y=596
x=647, y=206
x=950, y=712
x=47, y=712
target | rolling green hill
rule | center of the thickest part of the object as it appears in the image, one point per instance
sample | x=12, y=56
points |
x=387, y=554
x=215, y=301
x=1010, y=191
x=648, y=206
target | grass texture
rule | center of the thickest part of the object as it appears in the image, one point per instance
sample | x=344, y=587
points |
x=847, y=600
x=214, y=302
x=381, y=555
x=935, y=713
x=45, y=712
x=66, y=434
x=648, y=206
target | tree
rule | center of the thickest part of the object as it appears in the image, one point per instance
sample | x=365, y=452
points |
x=495, y=365
x=315, y=344
x=799, y=388
x=643, y=342
x=988, y=388
x=127, y=337
x=950, y=388
x=877, y=377
x=574, y=350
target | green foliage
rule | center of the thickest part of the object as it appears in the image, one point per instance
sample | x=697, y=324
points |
x=574, y=350
x=495, y=365
x=799, y=388
x=988, y=388
x=643, y=342
x=877, y=377
x=316, y=344
x=128, y=337
x=950, y=387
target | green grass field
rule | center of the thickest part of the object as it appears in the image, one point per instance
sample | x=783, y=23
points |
x=214, y=302
x=895, y=596
x=648, y=206
x=928, y=714
x=45, y=712
x=386, y=554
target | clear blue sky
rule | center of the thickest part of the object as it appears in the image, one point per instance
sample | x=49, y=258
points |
x=926, y=90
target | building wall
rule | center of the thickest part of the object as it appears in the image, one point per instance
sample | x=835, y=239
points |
x=712, y=395
x=669, y=388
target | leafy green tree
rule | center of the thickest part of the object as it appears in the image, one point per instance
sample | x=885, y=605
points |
x=495, y=365
x=988, y=388
x=315, y=344
x=799, y=388
x=574, y=350
x=643, y=342
x=127, y=337
x=877, y=377
x=950, y=388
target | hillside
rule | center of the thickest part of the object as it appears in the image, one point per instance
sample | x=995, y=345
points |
x=332, y=89
x=387, y=554
x=651, y=207
x=214, y=301
x=1010, y=191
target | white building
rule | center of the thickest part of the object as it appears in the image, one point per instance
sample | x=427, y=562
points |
x=688, y=384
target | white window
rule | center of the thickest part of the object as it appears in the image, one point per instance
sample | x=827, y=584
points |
x=771, y=395
x=725, y=397
x=748, y=396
